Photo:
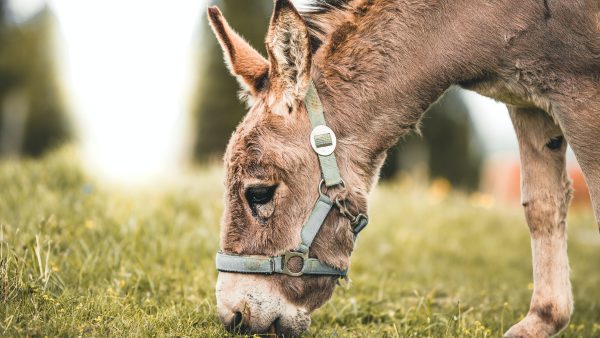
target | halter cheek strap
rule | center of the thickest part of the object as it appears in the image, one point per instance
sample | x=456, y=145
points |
x=322, y=138
x=323, y=141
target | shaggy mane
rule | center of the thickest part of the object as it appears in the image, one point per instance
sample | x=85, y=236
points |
x=317, y=14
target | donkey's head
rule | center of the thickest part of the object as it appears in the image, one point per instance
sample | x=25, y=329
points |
x=272, y=181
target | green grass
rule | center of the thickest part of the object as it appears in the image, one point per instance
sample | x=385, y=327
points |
x=77, y=258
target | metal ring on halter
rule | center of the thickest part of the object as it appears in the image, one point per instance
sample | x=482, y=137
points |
x=285, y=269
x=323, y=188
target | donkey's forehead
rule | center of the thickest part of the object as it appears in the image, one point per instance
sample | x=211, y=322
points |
x=246, y=147
x=265, y=142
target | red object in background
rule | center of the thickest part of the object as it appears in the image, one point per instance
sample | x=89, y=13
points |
x=501, y=177
x=581, y=196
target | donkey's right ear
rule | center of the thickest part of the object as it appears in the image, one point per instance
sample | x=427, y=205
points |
x=243, y=61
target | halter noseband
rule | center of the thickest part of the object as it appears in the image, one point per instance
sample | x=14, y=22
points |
x=323, y=141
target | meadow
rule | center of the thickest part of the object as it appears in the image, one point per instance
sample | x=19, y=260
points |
x=78, y=258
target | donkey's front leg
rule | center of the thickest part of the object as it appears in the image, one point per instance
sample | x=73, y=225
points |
x=545, y=195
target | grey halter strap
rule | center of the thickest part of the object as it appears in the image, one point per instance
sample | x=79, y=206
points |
x=323, y=141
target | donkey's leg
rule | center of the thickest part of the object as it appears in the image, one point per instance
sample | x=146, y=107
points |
x=581, y=125
x=545, y=195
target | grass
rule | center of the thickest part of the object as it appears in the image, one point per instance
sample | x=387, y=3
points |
x=80, y=259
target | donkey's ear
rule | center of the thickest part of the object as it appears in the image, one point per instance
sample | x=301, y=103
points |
x=288, y=45
x=243, y=61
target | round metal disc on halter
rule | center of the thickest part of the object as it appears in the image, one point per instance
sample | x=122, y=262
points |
x=323, y=140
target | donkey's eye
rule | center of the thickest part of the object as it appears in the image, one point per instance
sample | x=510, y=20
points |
x=260, y=195
x=555, y=143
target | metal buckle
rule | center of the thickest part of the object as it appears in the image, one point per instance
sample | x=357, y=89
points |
x=323, y=140
x=286, y=258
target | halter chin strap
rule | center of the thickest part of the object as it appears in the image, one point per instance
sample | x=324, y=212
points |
x=323, y=141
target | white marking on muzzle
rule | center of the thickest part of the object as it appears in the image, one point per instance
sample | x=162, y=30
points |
x=260, y=303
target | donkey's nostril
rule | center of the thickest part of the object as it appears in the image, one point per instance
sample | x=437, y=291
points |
x=238, y=319
x=233, y=322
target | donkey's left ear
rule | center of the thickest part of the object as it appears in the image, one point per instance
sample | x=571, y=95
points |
x=288, y=46
x=243, y=61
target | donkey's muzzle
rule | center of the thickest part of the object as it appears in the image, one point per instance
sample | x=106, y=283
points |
x=252, y=304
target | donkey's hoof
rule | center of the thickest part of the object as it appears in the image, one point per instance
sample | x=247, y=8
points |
x=532, y=327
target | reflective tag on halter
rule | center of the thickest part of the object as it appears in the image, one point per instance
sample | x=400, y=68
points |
x=323, y=140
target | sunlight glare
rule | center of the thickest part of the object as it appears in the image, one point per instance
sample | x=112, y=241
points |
x=128, y=72
x=22, y=10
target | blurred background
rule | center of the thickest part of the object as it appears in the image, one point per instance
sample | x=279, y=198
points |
x=141, y=89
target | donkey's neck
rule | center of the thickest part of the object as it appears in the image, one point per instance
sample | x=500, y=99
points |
x=383, y=63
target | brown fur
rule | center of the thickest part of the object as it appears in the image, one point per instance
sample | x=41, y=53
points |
x=378, y=65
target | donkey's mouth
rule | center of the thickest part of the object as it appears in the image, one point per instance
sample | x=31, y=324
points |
x=272, y=331
x=293, y=326
x=278, y=330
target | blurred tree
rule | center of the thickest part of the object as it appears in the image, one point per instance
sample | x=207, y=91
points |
x=217, y=109
x=32, y=119
x=448, y=146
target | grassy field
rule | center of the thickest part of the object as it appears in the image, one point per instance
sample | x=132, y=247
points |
x=77, y=258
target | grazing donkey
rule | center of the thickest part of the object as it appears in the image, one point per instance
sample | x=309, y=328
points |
x=373, y=67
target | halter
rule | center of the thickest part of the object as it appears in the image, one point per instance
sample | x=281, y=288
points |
x=323, y=142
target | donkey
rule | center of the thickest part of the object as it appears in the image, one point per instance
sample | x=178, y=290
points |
x=376, y=66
